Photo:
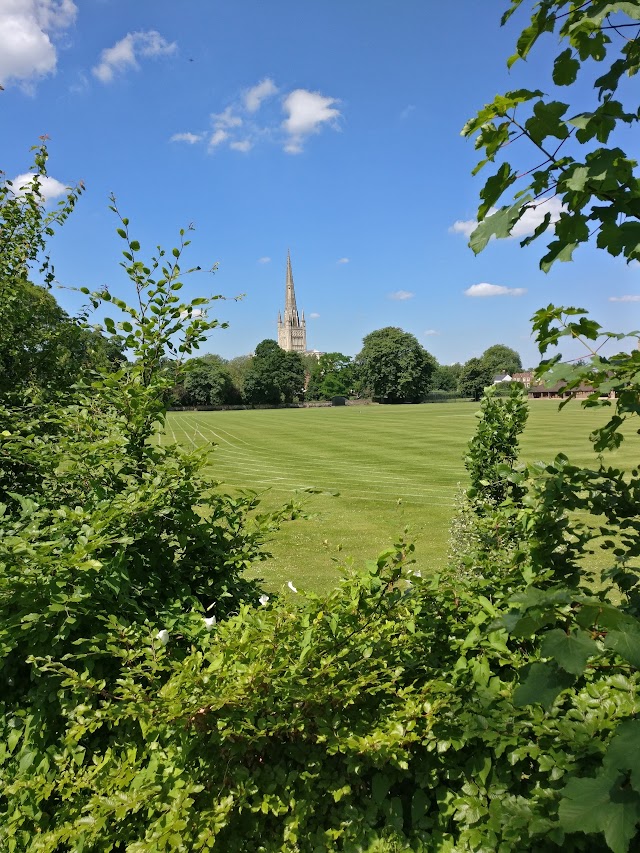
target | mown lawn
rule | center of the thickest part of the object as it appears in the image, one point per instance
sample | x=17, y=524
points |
x=393, y=466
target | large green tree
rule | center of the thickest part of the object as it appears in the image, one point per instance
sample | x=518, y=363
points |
x=474, y=378
x=331, y=375
x=208, y=382
x=393, y=367
x=501, y=359
x=275, y=376
x=446, y=377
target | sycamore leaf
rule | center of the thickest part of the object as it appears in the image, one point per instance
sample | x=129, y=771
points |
x=558, y=251
x=494, y=188
x=570, y=651
x=625, y=642
x=601, y=805
x=499, y=224
x=565, y=68
x=542, y=684
x=623, y=752
x=547, y=121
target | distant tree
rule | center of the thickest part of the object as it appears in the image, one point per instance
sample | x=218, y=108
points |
x=331, y=376
x=207, y=382
x=501, y=359
x=275, y=376
x=474, y=377
x=239, y=368
x=41, y=346
x=393, y=367
x=446, y=377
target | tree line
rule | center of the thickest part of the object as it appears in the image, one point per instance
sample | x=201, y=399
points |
x=45, y=348
x=392, y=367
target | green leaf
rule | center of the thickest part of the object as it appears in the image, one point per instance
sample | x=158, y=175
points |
x=601, y=805
x=542, y=684
x=623, y=752
x=499, y=224
x=547, y=121
x=558, y=251
x=625, y=642
x=570, y=651
x=494, y=188
x=565, y=68
x=380, y=785
x=134, y=246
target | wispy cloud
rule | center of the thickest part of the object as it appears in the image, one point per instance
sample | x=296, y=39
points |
x=50, y=188
x=238, y=128
x=254, y=96
x=530, y=220
x=406, y=112
x=28, y=29
x=429, y=332
x=264, y=260
x=629, y=297
x=342, y=261
x=241, y=145
x=484, y=289
x=401, y=295
x=225, y=119
x=314, y=316
x=126, y=53
x=306, y=112
x=218, y=137
x=190, y=138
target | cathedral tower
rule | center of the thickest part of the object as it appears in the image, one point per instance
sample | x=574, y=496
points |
x=292, y=331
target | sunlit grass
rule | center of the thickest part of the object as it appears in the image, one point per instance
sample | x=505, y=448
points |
x=393, y=466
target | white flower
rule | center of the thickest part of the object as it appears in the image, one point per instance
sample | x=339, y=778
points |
x=417, y=574
x=209, y=622
x=263, y=600
x=163, y=636
x=291, y=586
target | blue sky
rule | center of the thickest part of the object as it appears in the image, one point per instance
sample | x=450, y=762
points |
x=328, y=127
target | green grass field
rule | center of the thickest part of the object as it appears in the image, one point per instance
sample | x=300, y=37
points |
x=393, y=466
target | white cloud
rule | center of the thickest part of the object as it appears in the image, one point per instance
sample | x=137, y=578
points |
x=430, y=332
x=225, y=119
x=217, y=137
x=406, y=112
x=484, y=289
x=265, y=260
x=629, y=297
x=532, y=217
x=50, y=188
x=307, y=112
x=241, y=145
x=342, y=261
x=190, y=138
x=401, y=295
x=27, y=51
x=254, y=96
x=314, y=316
x=125, y=53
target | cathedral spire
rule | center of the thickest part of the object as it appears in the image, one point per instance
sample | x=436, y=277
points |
x=290, y=293
x=292, y=334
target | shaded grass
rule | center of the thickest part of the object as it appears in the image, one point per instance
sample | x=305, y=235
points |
x=393, y=466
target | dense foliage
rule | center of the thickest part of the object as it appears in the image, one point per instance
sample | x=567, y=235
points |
x=331, y=375
x=152, y=699
x=393, y=367
x=275, y=376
